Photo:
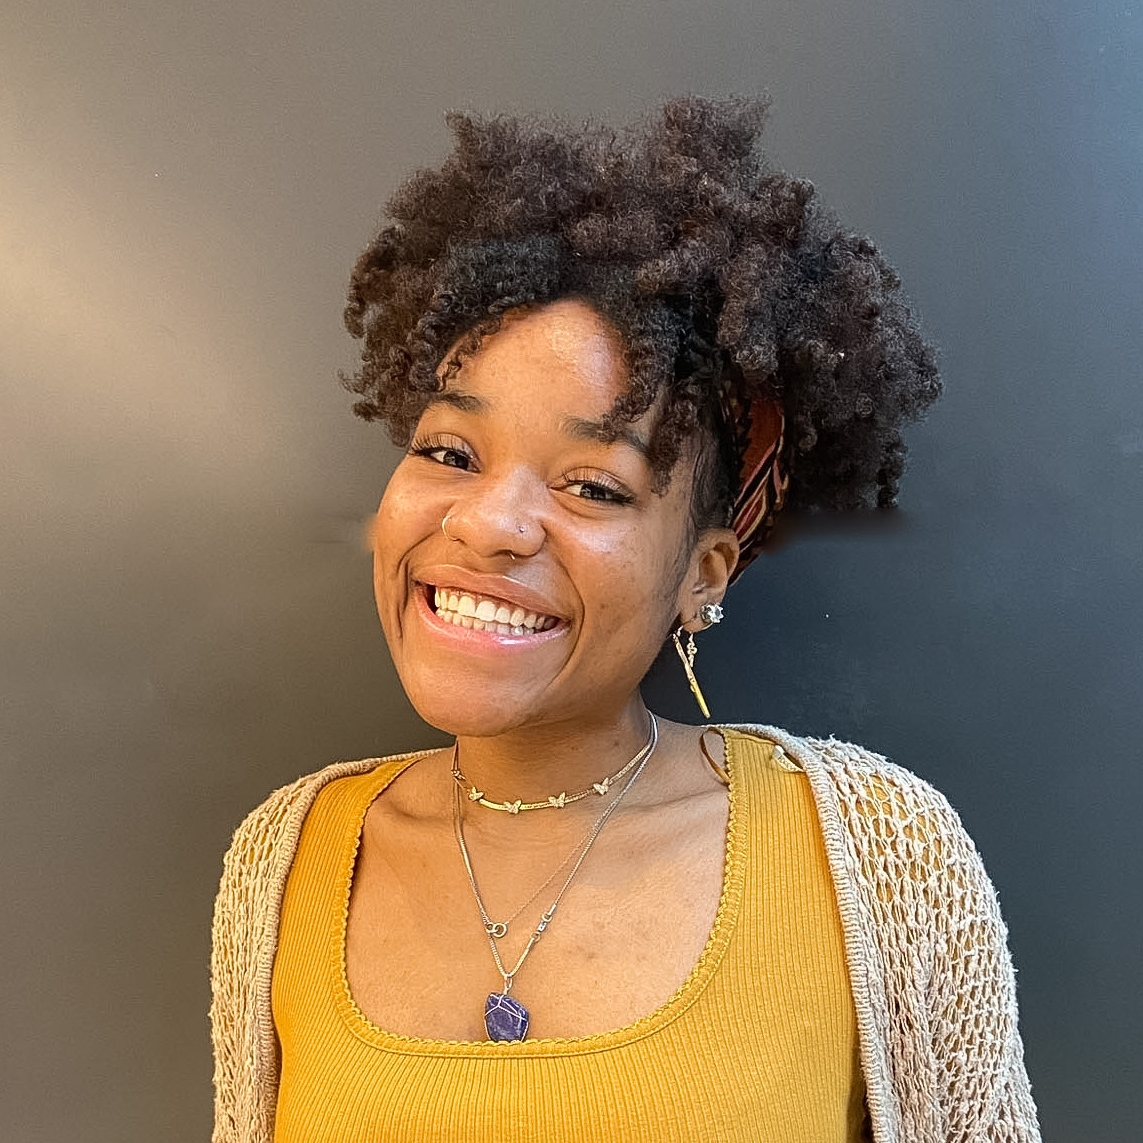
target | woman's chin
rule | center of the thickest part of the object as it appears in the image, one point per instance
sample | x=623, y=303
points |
x=473, y=715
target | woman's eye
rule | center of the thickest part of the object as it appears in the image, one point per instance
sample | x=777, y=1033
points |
x=594, y=490
x=451, y=456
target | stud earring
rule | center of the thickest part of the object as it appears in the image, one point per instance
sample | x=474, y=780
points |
x=711, y=613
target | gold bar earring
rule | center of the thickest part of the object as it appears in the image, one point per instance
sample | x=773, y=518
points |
x=688, y=660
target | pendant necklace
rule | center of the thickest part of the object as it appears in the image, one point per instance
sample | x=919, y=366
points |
x=505, y=1018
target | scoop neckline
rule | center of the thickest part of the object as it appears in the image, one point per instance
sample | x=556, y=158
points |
x=726, y=916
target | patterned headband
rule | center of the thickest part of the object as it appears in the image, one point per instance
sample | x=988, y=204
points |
x=758, y=427
x=757, y=430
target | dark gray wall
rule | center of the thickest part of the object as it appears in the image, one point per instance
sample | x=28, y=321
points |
x=185, y=607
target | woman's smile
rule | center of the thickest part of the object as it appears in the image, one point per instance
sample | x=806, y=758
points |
x=497, y=604
x=473, y=622
x=485, y=613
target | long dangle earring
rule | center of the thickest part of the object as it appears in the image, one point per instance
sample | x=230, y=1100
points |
x=710, y=614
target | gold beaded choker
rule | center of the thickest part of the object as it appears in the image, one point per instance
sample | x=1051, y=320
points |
x=555, y=801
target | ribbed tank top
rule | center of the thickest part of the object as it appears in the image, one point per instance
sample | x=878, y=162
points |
x=758, y=1045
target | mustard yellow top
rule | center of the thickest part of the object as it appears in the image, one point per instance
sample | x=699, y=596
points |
x=758, y=1045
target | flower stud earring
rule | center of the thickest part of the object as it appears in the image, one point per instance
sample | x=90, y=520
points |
x=711, y=613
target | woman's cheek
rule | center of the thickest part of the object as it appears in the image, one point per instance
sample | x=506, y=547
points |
x=404, y=516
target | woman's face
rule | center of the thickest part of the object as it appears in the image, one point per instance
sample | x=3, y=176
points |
x=562, y=569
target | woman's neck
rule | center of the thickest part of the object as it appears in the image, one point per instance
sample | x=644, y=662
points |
x=534, y=762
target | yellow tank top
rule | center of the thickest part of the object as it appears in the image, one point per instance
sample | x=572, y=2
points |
x=759, y=1044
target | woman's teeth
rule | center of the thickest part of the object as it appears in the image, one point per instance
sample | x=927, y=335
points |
x=484, y=614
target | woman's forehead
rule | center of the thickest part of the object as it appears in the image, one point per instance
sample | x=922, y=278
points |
x=578, y=336
x=563, y=350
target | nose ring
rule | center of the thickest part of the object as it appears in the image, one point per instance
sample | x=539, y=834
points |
x=444, y=528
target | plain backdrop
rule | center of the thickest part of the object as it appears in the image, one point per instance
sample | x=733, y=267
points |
x=185, y=610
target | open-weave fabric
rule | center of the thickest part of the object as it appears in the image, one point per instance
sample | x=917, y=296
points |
x=932, y=981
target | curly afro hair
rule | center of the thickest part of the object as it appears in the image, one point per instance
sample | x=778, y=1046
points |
x=720, y=273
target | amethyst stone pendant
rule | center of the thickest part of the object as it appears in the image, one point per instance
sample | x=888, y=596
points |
x=505, y=1018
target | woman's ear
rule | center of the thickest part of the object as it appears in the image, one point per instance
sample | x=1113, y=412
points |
x=712, y=563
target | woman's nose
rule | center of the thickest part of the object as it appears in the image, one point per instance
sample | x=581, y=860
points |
x=500, y=516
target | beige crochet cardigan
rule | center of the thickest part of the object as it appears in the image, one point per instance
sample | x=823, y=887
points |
x=931, y=976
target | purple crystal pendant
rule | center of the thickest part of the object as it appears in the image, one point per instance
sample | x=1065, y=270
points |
x=504, y=1017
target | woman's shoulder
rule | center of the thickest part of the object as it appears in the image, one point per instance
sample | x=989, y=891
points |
x=834, y=755
x=277, y=820
x=866, y=786
x=893, y=834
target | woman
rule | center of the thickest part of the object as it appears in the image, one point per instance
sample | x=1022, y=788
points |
x=611, y=360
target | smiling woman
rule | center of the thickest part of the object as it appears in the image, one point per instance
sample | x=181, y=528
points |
x=611, y=360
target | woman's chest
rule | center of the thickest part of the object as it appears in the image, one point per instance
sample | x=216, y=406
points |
x=426, y=942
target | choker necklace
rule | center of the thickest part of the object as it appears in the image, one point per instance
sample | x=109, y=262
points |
x=555, y=801
x=505, y=1018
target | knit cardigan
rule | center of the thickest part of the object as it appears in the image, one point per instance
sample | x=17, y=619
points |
x=931, y=976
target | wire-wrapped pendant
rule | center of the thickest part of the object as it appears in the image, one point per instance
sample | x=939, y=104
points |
x=505, y=1018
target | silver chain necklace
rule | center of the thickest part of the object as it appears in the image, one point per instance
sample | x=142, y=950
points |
x=505, y=1018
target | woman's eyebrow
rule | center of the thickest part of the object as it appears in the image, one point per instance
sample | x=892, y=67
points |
x=584, y=429
x=465, y=402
